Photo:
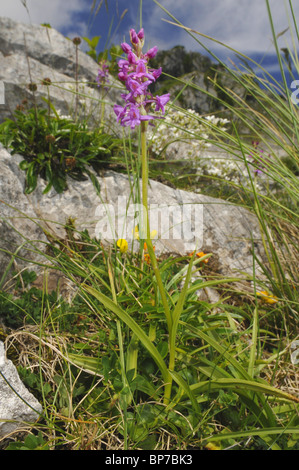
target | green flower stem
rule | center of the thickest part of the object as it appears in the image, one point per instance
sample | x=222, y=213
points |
x=151, y=249
x=146, y=222
x=128, y=396
x=102, y=110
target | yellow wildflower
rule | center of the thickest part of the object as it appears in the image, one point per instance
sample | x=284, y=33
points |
x=122, y=245
x=267, y=298
x=136, y=233
x=199, y=255
x=153, y=233
x=212, y=446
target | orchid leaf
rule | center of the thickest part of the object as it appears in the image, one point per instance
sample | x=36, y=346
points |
x=130, y=322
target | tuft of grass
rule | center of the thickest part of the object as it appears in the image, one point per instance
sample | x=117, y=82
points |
x=97, y=377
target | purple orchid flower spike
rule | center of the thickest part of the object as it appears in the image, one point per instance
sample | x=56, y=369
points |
x=137, y=76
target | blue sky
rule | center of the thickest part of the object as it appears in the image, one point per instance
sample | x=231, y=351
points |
x=241, y=24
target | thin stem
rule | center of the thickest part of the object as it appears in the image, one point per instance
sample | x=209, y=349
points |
x=146, y=224
x=146, y=228
x=144, y=178
x=76, y=78
x=102, y=110
x=294, y=19
x=121, y=356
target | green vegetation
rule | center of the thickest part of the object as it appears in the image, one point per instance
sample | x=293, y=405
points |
x=56, y=147
x=92, y=372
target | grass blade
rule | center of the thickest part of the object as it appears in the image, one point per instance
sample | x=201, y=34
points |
x=122, y=315
x=241, y=385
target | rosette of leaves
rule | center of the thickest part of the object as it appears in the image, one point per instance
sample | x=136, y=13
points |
x=55, y=148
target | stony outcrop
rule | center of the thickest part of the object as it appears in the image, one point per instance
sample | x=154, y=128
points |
x=188, y=67
x=31, y=53
x=17, y=405
x=17, y=218
x=184, y=221
x=177, y=61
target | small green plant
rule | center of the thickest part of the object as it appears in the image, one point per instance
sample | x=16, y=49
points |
x=30, y=304
x=92, y=43
x=109, y=55
x=31, y=442
x=54, y=147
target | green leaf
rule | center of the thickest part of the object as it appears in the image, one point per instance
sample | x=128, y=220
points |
x=49, y=103
x=31, y=178
x=241, y=385
x=187, y=389
x=163, y=348
x=149, y=442
x=24, y=165
x=218, y=347
x=92, y=42
x=48, y=177
x=59, y=183
x=143, y=385
x=94, y=181
x=253, y=347
x=215, y=282
x=86, y=39
x=180, y=304
x=89, y=364
x=130, y=322
x=254, y=432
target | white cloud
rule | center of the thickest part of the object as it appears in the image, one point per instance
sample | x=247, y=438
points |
x=59, y=13
x=241, y=24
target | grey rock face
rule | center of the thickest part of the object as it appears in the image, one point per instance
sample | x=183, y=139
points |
x=192, y=96
x=189, y=67
x=18, y=225
x=200, y=71
x=17, y=404
x=31, y=53
x=177, y=61
x=184, y=221
x=45, y=45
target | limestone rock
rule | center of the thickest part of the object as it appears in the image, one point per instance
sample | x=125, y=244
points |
x=192, y=97
x=184, y=221
x=17, y=404
x=31, y=53
x=189, y=67
x=177, y=61
x=45, y=45
x=19, y=229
